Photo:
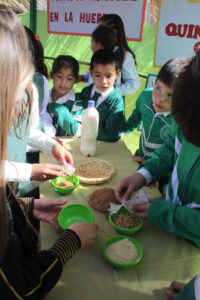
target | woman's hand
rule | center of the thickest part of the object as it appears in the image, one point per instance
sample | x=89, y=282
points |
x=47, y=210
x=174, y=288
x=61, y=154
x=128, y=185
x=141, y=210
x=87, y=232
x=43, y=172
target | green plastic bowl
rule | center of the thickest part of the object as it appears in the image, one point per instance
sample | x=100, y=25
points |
x=65, y=191
x=122, y=230
x=115, y=264
x=74, y=213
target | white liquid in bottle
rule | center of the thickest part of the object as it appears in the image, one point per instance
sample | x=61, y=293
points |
x=89, y=130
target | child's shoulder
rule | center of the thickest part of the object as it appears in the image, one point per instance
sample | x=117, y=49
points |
x=146, y=96
x=147, y=91
x=115, y=93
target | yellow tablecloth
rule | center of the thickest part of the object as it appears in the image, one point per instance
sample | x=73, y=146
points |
x=88, y=275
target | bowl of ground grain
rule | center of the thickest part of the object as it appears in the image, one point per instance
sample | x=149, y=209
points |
x=125, y=222
x=65, y=185
x=122, y=252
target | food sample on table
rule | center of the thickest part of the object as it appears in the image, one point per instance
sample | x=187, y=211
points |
x=126, y=221
x=65, y=184
x=123, y=251
x=94, y=171
x=100, y=199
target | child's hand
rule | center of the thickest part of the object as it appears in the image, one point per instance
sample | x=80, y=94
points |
x=141, y=210
x=154, y=185
x=129, y=185
x=138, y=159
x=47, y=210
x=174, y=288
x=86, y=232
x=61, y=154
x=41, y=172
x=122, y=135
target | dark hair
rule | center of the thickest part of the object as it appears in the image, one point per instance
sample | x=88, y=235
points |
x=115, y=22
x=65, y=61
x=37, y=51
x=104, y=57
x=171, y=70
x=186, y=101
x=106, y=36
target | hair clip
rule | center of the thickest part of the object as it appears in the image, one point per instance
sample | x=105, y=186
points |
x=37, y=38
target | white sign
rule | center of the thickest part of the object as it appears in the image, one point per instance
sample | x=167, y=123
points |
x=81, y=17
x=178, y=30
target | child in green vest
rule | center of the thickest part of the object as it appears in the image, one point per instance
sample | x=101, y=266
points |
x=104, y=69
x=178, y=211
x=153, y=111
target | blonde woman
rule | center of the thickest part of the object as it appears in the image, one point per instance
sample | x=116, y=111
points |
x=25, y=273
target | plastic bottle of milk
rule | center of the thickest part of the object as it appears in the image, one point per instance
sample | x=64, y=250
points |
x=89, y=129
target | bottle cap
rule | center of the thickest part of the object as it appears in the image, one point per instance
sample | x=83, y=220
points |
x=91, y=103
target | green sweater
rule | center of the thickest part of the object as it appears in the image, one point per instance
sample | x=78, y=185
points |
x=155, y=125
x=188, y=292
x=111, y=112
x=179, y=213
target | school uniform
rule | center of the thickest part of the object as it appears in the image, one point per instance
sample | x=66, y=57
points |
x=190, y=291
x=155, y=125
x=70, y=96
x=43, y=89
x=26, y=273
x=128, y=80
x=109, y=105
x=18, y=140
x=45, y=120
x=178, y=212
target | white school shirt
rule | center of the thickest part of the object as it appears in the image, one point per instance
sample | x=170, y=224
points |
x=16, y=172
x=128, y=75
x=69, y=96
x=131, y=81
x=47, y=122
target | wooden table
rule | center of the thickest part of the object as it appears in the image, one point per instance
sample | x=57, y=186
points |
x=88, y=275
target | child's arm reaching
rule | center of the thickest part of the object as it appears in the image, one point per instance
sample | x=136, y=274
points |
x=64, y=118
x=135, y=118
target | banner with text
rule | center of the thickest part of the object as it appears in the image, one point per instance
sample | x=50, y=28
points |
x=81, y=17
x=178, y=30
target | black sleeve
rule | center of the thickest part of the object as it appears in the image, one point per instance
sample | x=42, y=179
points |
x=32, y=278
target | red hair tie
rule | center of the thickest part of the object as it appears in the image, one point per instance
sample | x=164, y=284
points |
x=37, y=38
